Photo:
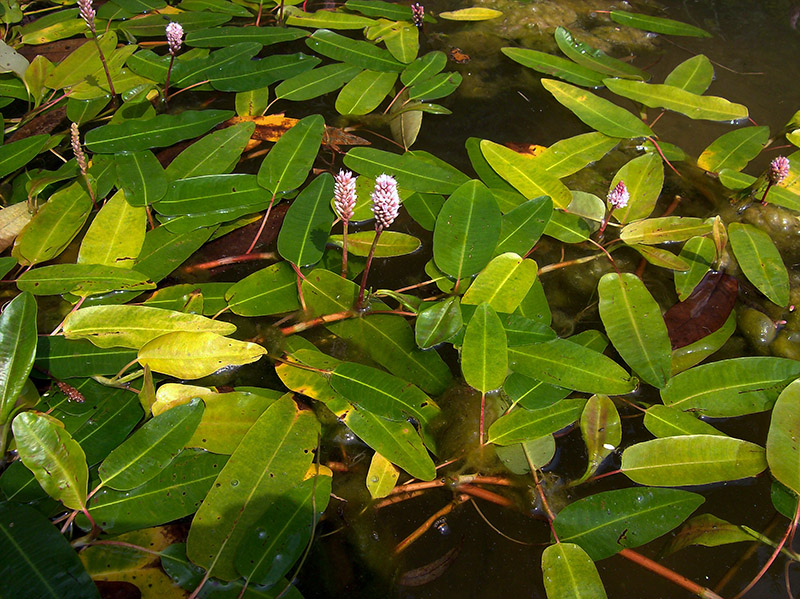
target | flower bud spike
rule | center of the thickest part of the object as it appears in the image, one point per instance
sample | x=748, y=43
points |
x=87, y=13
x=344, y=201
x=385, y=201
x=417, y=14
x=174, y=37
x=777, y=172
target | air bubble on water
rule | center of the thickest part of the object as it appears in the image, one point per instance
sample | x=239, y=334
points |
x=234, y=483
x=373, y=479
x=442, y=526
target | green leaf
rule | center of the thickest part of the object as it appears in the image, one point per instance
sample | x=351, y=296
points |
x=38, y=560
x=665, y=229
x=289, y=161
x=438, y=323
x=400, y=38
x=212, y=154
x=378, y=392
x=566, y=364
x=633, y=322
x=598, y=113
x=656, y=24
x=381, y=477
x=54, y=226
x=734, y=149
x=141, y=177
x=438, y=86
x=569, y=573
x=307, y=223
x=644, y=178
x=567, y=227
x=116, y=234
x=220, y=37
x=153, y=25
x=280, y=536
x=692, y=460
x=244, y=75
x=524, y=174
x=271, y=290
x=555, y=66
x=390, y=243
x=272, y=458
x=467, y=230
x=606, y=522
x=709, y=531
x=568, y=156
x=601, y=430
x=378, y=8
x=503, y=283
x=779, y=196
x=520, y=425
x=83, y=61
x=81, y=280
x=473, y=13
x=17, y=154
x=316, y=82
x=484, y=359
x=710, y=108
x=412, y=173
x=364, y=92
x=17, y=351
x=783, y=456
x=148, y=451
x=355, y=52
x=730, y=387
x=666, y=421
x=211, y=193
x=191, y=355
x=159, y=131
x=760, y=261
x=424, y=67
x=592, y=58
x=699, y=253
x=54, y=457
x=387, y=339
x=685, y=357
x=327, y=18
x=398, y=442
x=694, y=74
x=164, y=251
x=522, y=227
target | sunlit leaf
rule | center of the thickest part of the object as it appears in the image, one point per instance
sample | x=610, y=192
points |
x=665, y=229
x=555, y=66
x=656, y=24
x=503, y=283
x=521, y=425
x=522, y=227
x=412, y=173
x=17, y=350
x=438, y=323
x=483, y=353
x=17, y=154
x=601, y=430
x=116, y=234
x=288, y=163
x=644, y=178
x=82, y=279
x=568, y=156
x=694, y=74
x=364, y=92
x=592, y=58
x=327, y=18
x=381, y=476
x=219, y=37
x=424, y=67
x=709, y=531
x=685, y=357
x=355, y=52
x=473, y=13
x=316, y=82
x=271, y=290
x=666, y=421
x=782, y=451
x=699, y=253
x=390, y=243
x=734, y=149
x=212, y=154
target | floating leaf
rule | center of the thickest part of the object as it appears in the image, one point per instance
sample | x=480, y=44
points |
x=666, y=421
x=316, y=82
x=709, y=531
x=598, y=113
x=355, y=52
x=473, y=13
x=424, y=67
x=411, y=172
x=567, y=227
x=308, y=222
x=54, y=457
x=685, y=357
x=692, y=460
x=467, y=230
x=141, y=177
x=159, y=131
x=694, y=74
x=271, y=290
x=699, y=253
x=760, y=261
x=606, y=522
x=194, y=355
x=381, y=477
x=116, y=234
x=82, y=280
x=734, y=149
x=364, y=92
x=601, y=430
x=633, y=322
x=288, y=163
x=148, y=451
x=483, y=353
x=17, y=351
x=520, y=426
x=704, y=311
x=710, y=108
x=390, y=243
x=592, y=58
x=212, y=193
x=272, y=458
x=438, y=323
x=220, y=37
x=503, y=283
x=522, y=227
x=782, y=451
x=572, y=366
x=568, y=156
x=569, y=573
x=17, y=154
x=656, y=24
x=438, y=86
x=555, y=66
x=644, y=178
x=212, y=154
x=665, y=229
x=327, y=18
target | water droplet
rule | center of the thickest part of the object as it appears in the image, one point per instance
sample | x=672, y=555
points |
x=442, y=526
x=234, y=483
x=373, y=479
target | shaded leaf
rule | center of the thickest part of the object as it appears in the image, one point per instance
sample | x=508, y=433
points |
x=569, y=573
x=520, y=426
x=17, y=350
x=592, y=58
x=704, y=311
x=760, y=261
x=783, y=455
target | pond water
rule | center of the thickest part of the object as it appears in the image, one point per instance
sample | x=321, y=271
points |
x=755, y=50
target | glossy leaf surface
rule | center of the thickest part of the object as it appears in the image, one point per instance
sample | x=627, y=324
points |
x=569, y=573
x=760, y=261
x=17, y=350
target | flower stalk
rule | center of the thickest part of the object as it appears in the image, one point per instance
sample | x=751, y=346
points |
x=344, y=201
x=385, y=206
x=88, y=14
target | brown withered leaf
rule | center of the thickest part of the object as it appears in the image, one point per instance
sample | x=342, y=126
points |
x=52, y=51
x=272, y=126
x=704, y=311
x=43, y=123
x=429, y=572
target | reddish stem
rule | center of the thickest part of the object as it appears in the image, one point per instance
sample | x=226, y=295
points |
x=671, y=575
x=360, y=300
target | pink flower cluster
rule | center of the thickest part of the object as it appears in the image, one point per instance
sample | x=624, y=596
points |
x=385, y=201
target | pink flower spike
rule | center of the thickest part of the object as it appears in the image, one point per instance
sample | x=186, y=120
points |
x=618, y=197
x=778, y=170
x=385, y=201
x=87, y=13
x=174, y=37
x=75, y=141
x=417, y=14
x=344, y=195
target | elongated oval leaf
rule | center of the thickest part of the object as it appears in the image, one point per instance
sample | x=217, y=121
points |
x=116, y=234
x=694, y=74
x=592, y=58
x=601, y=430
x=569, y=573
x=141, y=177
x=783, y=456
x=195, y=355
x=213, y=154
x=760, y=261
x=438, y=323
x=54, y=457
x=606, y=522
x=271, y=290
x=148, y=451
x=692, y=460
x=355, y=52
x=219, y=37
x=568, y=156
x=17, y=154
x=520, y=425
x=272, y=458
x=598, y=113
x=522, y=227
x=734, y=149
x=316, y=82
x=307, y=223
x=17, y=350
x=503, y=283
x=633, y=322
x=82, y=280
x=555, y=66
x=411, y=172
x=644, y=178
x=665, y=229
x=666, y=421
x=364, y=92
x=287, y=164
x=484, y=360
x=381, y=477
x=656, y=24
x=390, y=243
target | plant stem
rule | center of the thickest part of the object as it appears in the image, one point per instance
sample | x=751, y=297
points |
x=166, y=83
x=766, y=191
x=672, y=576
x=344, y=249
x=105, y=68
x=360, y=301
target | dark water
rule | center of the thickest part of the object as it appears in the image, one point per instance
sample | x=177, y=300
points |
x=756, y=52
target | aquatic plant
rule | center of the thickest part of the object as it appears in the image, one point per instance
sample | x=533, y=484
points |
x=232, y=403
